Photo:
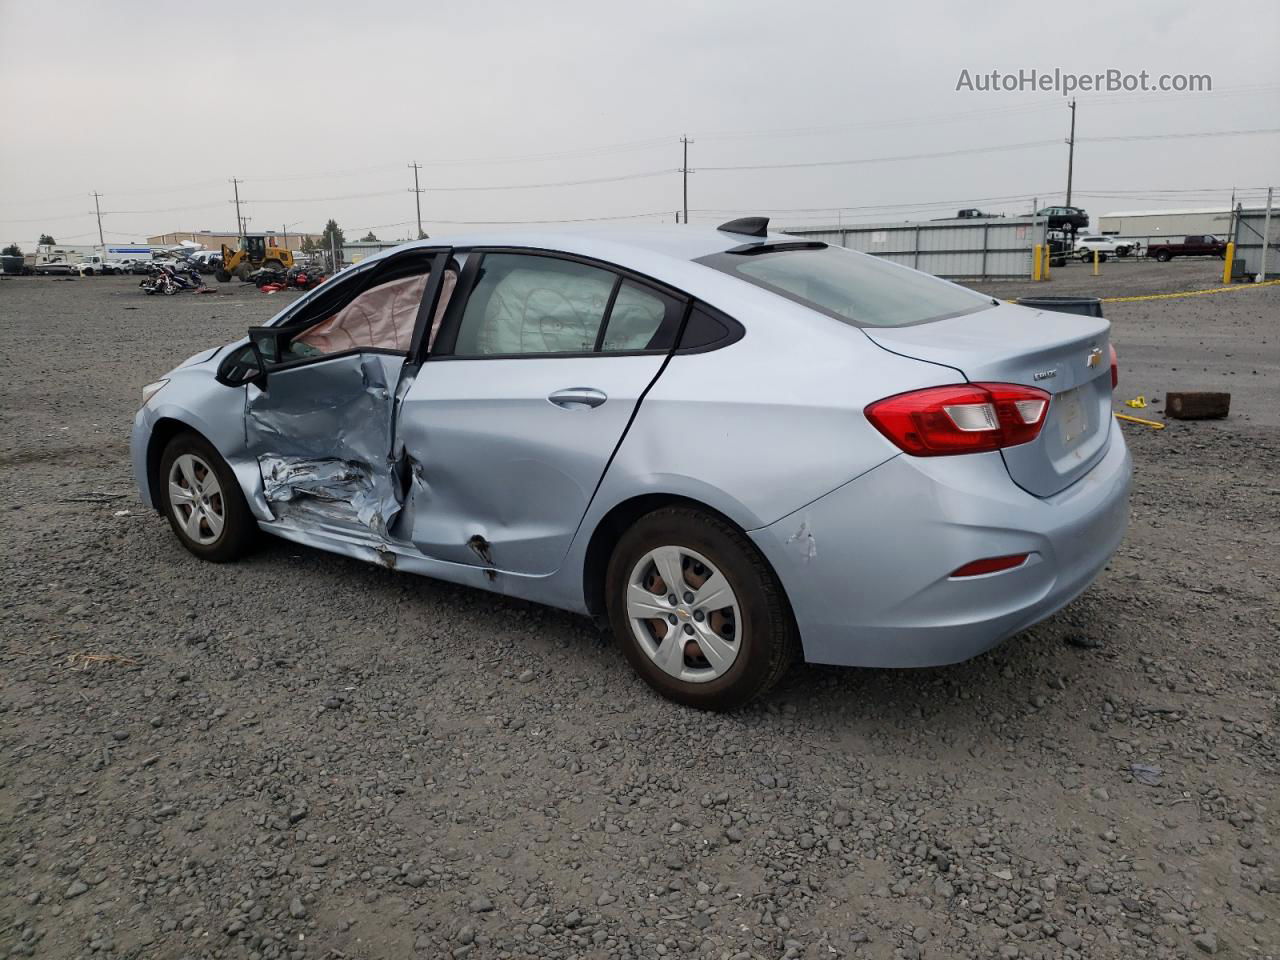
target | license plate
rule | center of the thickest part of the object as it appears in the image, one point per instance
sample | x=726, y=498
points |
x=1071, y=418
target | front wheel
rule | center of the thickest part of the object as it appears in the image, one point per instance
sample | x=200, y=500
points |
x=203, y=501
x=1163, y=256
x=697, y=610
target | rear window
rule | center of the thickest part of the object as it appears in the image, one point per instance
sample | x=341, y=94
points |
x=852, y=287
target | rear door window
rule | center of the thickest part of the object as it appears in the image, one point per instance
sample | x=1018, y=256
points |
x=854, y=288
x=641, y=319
x=526, y=304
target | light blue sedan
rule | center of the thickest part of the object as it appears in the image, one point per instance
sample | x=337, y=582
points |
x=733, y=447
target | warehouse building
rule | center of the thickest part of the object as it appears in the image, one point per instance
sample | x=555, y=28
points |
x=213, y=240
x=1156, y=223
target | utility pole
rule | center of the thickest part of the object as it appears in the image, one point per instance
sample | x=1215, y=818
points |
x=239, y=222
x=1266, y=240
x=1071, y=151
x=417, y=196
x=685, y=141
x=98, y=210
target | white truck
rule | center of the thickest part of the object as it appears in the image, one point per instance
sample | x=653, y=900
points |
x=95, y=264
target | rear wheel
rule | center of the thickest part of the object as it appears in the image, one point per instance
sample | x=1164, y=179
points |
x=223, y=276
x=203, y=501
x=1164, y=256
x=697, y=610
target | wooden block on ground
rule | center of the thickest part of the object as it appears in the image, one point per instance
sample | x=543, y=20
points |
x=1196, y=405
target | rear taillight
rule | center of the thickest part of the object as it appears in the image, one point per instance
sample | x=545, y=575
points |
x=1115, y=366
x=963, y=418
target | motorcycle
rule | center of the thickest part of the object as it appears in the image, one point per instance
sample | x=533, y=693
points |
x=167, y=281
x=303, y=279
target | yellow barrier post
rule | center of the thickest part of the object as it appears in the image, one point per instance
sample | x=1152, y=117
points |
x=1035, y=262
x=1048, y=258
x=1095, y=263
x=1226, y=262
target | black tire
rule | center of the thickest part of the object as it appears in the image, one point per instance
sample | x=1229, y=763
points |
x=768, y=637
x=239, y=529
x=223, y=276
x=1163, y=256
x=87, y=272
x=1102, y=257
x=1122, y=251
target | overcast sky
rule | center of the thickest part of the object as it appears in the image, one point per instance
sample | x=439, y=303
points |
x=320, y=106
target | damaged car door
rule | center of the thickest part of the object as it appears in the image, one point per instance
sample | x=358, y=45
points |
x=515, y=415
x=321, y=418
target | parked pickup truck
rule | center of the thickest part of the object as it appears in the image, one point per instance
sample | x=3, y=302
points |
x=95, y=264
x=1166, y=248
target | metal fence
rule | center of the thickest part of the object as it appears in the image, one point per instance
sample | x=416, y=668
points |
x=995, y=248
x=1250, y=228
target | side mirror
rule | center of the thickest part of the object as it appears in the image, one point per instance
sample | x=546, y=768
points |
x=267, y=342
x=242, y=366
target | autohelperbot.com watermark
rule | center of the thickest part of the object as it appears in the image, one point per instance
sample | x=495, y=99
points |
x=1066, y=83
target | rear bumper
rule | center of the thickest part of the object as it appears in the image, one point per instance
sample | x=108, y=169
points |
x=867, y=567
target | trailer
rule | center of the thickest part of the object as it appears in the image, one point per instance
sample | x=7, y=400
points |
x=89, y=260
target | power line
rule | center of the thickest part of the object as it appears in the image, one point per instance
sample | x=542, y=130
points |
x=1036, y=107
x=1181, y=136
x=911, y=156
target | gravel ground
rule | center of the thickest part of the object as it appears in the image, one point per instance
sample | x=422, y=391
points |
x=303, y=756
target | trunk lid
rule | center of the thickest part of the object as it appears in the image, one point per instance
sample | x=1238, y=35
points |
x=1063, y=354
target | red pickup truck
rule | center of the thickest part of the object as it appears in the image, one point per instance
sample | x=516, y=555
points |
x=1166, y=248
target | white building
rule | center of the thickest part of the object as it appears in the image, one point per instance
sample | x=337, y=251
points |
x=1156, y=223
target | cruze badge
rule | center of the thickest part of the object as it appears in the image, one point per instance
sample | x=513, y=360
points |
x=1095, y=357
x=1046, y=374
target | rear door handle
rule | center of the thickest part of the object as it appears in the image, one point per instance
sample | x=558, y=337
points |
x=571, y=398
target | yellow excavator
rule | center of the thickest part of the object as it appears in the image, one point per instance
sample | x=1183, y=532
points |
x=256, y=250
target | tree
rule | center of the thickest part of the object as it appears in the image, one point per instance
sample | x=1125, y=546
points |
x=12, y=250
x=331, y=236
x=46, y=240
x=369, y=238
x=308, y=244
